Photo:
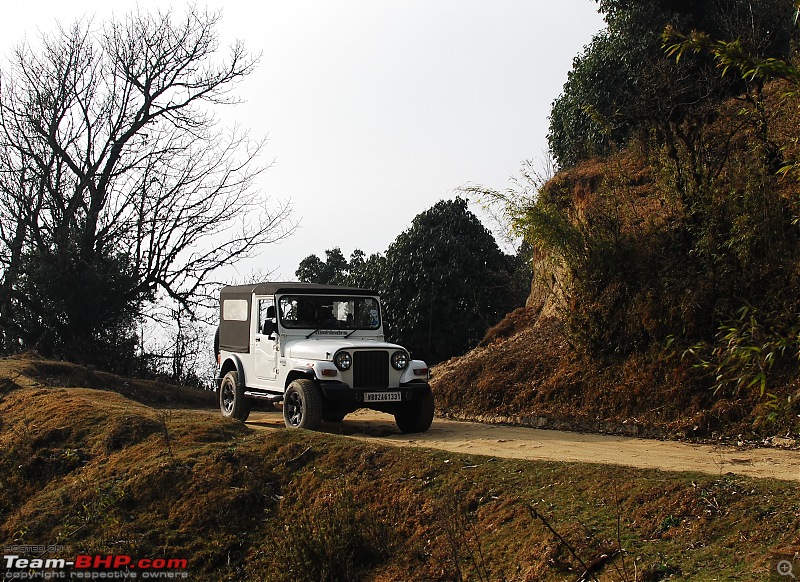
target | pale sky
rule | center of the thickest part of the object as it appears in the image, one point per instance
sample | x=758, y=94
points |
x=376, y=110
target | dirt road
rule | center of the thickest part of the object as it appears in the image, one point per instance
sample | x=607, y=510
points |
x=528, y=443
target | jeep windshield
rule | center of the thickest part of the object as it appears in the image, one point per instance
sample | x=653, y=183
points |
x=318, y=312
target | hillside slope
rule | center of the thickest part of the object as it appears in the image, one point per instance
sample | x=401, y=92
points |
x=664, y=298
x=95, y=472
x=529, y=375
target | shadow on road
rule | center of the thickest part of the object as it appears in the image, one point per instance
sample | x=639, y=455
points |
x=376, y=425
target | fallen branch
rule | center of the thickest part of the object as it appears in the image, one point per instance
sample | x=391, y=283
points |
x=297, y=458
x=587, y=569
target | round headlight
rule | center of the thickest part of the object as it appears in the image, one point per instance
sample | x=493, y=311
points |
x=399, y=360
x=343, y=361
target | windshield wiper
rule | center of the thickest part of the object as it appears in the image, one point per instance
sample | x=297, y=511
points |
x=313, y=332
x=351, y=333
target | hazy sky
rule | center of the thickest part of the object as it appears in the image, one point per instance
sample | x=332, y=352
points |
x=375, y=110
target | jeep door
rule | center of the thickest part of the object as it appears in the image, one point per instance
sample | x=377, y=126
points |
x=266, y=356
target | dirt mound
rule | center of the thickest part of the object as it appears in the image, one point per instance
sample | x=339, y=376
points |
x=526, y=372
x=30, y=369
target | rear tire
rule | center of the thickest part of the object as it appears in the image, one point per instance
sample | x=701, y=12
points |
x=302, y=405
x=232, y=401
x=415, y=416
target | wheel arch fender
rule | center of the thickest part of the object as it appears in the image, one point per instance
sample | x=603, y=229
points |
x=232, y=364
x=299, y=373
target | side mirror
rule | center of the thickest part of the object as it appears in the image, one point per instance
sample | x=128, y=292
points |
x=270, y=327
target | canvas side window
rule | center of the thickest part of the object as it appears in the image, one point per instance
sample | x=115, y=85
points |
x=234, y=310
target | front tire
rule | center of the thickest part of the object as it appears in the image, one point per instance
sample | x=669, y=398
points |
x=232, y=401
x=302, y=405
x=415, y=416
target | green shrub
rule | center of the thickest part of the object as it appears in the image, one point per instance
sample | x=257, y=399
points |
x=750, y=352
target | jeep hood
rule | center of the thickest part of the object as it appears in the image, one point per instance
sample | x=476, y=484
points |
x=324, y=349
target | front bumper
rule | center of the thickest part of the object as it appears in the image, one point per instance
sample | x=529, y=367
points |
x=343, y=395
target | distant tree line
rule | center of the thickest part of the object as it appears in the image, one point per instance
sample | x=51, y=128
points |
x=444, y=281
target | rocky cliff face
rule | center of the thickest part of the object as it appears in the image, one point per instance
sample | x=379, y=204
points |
x=547, y=285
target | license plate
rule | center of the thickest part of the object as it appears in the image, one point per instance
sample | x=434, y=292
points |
x=382, y=397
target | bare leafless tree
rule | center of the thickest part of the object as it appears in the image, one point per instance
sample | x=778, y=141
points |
x=109, y=146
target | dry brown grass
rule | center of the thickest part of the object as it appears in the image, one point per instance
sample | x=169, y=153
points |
x=100, y=473
x=526, y=372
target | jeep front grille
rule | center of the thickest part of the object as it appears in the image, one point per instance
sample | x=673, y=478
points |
x=370, y=369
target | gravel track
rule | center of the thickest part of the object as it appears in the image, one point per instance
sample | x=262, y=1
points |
x=551, y=445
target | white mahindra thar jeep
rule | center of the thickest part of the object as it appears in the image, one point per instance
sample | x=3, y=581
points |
x=320, y=350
